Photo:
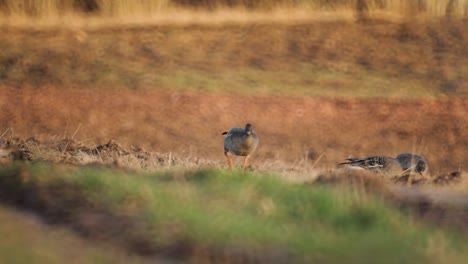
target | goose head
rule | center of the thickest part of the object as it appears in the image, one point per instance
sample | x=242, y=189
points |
x=248, y=129
x=421, y=166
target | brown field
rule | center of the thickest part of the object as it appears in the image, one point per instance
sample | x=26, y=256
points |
x=319, y=131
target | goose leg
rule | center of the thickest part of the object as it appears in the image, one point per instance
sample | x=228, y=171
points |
x=246, y=159
x=229, y=159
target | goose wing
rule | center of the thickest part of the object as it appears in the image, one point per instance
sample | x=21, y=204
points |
x=371, y=162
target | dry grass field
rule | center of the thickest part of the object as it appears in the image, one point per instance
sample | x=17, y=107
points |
x=120, y=8
x=332, y=58
x=111, y=114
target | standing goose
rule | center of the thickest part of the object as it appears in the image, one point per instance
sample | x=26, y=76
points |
x=240, y=142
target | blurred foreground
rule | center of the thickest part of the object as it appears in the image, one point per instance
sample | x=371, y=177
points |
x=214, y=216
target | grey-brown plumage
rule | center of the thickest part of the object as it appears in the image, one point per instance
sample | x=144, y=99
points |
x=383, y=164
x=412, y=162
x=390, y=166
x=240, y=142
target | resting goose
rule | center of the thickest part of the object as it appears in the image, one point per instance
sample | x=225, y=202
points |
x=412, y=162
x=394, y=166
x=383, y=164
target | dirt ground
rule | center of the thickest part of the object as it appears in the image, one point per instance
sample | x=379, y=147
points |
x=308, y=130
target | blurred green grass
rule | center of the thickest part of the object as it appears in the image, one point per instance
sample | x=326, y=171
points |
x=255, y=215
x=307, y=80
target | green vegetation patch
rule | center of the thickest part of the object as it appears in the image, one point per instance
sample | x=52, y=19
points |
x=228, y=214
x=306, y=80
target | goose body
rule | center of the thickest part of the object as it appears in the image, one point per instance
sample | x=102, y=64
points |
x=240, y=142
x=383, y=164
x=413, y=162
x=391, y=166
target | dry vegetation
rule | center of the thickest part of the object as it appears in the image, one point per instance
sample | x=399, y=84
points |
x=307, y=131
x=431, y=8
x=99, y=13
x=110, y=154
x=377, y=58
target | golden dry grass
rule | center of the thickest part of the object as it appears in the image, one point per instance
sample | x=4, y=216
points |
x=73, y=13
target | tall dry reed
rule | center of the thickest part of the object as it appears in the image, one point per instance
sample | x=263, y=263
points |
x=47, y=8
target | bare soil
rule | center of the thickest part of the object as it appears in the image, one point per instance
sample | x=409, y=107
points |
x=312, y=130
